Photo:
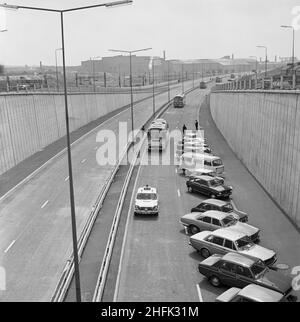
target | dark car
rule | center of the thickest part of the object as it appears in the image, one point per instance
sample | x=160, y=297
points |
x=236, y=270
x=206, y=185
x=221, y=205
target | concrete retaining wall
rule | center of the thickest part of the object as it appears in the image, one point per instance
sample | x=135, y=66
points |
x=263, y=128
x=29, y=122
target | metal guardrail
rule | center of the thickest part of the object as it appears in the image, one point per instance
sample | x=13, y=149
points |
x=68, y=271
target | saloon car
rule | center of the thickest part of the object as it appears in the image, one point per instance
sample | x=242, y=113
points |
x=206, y=185
x=236, y=270
x=251, y=293
x=220, y=205
x=225, y=240
x=212, y=220
x=146, y=202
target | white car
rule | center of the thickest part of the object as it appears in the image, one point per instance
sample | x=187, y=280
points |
x=146, y=201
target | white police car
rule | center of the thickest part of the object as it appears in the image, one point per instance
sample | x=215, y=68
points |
x=146, y=201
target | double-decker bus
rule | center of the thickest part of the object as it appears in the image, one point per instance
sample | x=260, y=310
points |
x=179, y=100
x=158, y=135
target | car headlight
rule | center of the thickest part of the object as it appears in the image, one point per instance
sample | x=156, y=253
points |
x=137, y=208
x=155, y=208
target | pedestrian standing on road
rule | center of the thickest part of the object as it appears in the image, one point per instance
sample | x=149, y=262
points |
x=184, y=129
x=196, y=125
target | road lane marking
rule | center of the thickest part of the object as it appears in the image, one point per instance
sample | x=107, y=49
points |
x=178, y=192
x=199, y=293
x=67, y=178
x=234, y=205
x=82, y=161
x=45, y=204
x=95, y=148
x=116, y=293
x=176, y=170
x=10, y=246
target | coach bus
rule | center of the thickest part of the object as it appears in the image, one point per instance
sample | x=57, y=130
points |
x=158, y=135
x=179, y=100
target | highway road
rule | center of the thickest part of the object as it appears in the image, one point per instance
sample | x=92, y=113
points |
x=35, y=224
x=157, y=262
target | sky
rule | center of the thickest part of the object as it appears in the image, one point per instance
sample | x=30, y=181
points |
x=185, y=29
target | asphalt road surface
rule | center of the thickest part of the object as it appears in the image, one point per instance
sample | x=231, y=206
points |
x=157, y=262
x=35, y=224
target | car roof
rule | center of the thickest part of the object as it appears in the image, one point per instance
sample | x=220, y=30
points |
x=215, y=214
x=228, y=233
x=207, y=178
x=239, y=259
x=201, y=155
x=260, y=294
x=159, y=121
x=146, y=189
x=216, y=202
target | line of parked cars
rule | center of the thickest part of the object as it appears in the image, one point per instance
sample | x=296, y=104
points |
x=222, y=234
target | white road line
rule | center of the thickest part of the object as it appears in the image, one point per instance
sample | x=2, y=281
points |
x=10, y=246
x=199, y=292
x=67, y=178
x=82, y=161
x=126, y=231
x=178, y=192
x=95, y=148
x=45, y=204
x=176, y=170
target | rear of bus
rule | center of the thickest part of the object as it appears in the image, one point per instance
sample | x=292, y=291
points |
x=179, y=101
x=157, y=137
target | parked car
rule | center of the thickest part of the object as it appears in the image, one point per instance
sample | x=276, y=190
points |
x=226, y=240
x=236, y=270
x=251, y=293
x=212, y=220
x=146, y=202
x=212, y=187
x=220, y=205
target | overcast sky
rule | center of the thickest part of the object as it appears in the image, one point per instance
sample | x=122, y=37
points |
x=186, y=29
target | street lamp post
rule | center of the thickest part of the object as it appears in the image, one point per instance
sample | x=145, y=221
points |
x=266, y=61
x=71, y=187
x=293, y=45
x=182, y=83
x=56, y=69
x=130, y=52
x=168, y=81
x=92, y=60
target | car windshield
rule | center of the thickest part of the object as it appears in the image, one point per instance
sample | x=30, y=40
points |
x=227, y=208
x=258, y=269
x=229, y=221
x=146, y=196
x=244, y=243
x=217, y=162
x=215, y=182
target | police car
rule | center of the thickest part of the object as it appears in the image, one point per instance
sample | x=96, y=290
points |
x=146, y=201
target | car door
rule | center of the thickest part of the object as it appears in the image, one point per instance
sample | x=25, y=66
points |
x=227, y=273
x=243, y=276
x=204, y=189
x=215, y=224
x=196, y=186
x=203, y=207
x=204, y=223
x=216, y=245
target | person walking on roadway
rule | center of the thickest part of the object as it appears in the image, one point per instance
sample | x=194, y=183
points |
x=184, y=128
x=196, y=125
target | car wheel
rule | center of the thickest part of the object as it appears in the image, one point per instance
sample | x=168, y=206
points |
x=214, y=281
x=194, y=230
x=213, y=196
x=205, y=252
